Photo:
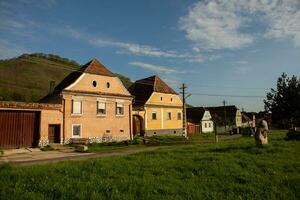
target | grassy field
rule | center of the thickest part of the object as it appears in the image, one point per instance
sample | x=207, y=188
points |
x=232, y=169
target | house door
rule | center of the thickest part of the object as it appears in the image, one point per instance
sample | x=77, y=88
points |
x=54, y=133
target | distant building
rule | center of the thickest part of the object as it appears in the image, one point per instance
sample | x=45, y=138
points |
x=248, y=119
x=231, y=113
x=200, y=116
x=157, y=108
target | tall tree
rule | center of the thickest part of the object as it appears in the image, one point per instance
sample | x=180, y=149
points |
x=284, y=102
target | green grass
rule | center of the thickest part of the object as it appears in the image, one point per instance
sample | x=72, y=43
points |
x=232, y=169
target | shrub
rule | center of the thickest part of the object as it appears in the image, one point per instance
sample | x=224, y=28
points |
x=47, y=148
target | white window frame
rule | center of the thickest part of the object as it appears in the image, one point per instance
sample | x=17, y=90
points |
x=80, y=134
x=154, y=112
x=101, y=100
x=121, y=104
x=81, y=106
x=169, y=117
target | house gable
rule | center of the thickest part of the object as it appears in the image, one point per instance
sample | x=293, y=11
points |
x=164, y=99
x=92, y=77
x=98, y=84
x=206, y=116
x=149, y=90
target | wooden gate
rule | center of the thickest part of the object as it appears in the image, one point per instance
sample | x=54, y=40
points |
x=137, y=125
x=19, y=128
x=193, y=128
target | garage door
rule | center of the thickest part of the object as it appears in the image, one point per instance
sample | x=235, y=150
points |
x=19, y=129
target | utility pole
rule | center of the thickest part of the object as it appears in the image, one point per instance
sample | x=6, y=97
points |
x=183, y=87
x=224, y=104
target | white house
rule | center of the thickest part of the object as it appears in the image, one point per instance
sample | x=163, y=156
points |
x=200, y=116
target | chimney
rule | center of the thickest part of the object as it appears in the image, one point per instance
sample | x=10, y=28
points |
x=51, y=88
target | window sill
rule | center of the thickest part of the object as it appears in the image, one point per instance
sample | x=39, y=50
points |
x=120, y=115
x=76, y=115
x=101, y=115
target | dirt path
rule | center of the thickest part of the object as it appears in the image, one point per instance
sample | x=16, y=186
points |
x=56, y=156
x=42, y=157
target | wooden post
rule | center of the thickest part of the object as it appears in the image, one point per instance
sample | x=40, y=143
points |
x=216, y=133
x=184, y=111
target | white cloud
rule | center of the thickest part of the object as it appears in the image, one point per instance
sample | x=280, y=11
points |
x=215, y=24
x=155, y=68
x=132, y=48
x=136, y=49
x=124, y=47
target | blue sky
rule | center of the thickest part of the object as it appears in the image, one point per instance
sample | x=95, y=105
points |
x=234, y=47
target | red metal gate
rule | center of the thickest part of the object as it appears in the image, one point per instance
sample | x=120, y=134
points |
x=193, y=128
x=19, y=128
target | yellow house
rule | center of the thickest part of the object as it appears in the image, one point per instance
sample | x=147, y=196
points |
x=157, y=108
x=96, y=106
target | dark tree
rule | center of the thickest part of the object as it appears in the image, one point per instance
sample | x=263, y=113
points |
x=283, y=103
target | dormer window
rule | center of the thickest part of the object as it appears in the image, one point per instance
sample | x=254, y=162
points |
x=171, y=99
x=94, y=83
x=108, y=85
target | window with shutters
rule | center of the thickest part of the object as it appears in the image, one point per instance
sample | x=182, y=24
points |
x=76, y=107
x=101, y=108
x=119, y=109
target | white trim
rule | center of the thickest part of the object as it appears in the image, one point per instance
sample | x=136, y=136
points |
x=76, y=136
x=77, y=80
x=72, y=109
x=120, y=101
x=152, y=115
x=146, y=123
x=77, y=98
x=102, y=100
x=162, y=117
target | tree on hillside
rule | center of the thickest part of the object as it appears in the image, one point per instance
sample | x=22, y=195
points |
x=283, y=103
x=125, y=80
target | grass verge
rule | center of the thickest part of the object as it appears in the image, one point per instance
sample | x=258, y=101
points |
x=232, y=169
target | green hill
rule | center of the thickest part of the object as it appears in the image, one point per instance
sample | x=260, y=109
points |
x=27, y=77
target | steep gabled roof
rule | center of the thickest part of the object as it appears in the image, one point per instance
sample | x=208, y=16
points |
x=92, y=67
x=195, y=114
x=143, y=88
x=218, y=112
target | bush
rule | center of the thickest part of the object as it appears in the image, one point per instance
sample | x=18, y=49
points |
x=47, y=148
x=293, y=135
x=134, y=141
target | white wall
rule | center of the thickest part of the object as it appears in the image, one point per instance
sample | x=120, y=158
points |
x=209, y=126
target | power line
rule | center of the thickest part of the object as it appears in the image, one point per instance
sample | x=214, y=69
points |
x=228, y=95
x=230, y=87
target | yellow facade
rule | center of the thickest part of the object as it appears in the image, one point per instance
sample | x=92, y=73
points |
x=168, y=112
x=162, y=104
